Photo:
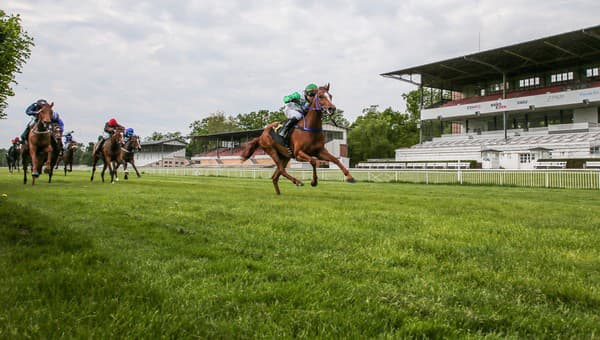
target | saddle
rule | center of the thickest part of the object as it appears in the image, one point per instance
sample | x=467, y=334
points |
x=283, y=141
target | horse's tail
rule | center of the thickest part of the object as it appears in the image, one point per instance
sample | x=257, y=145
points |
x=251, y=146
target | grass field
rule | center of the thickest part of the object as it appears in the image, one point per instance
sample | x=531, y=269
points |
x=208, y=257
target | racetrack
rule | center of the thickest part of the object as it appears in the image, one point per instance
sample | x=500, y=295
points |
x=178, y=257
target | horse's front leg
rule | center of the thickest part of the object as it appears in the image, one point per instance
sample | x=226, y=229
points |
x=115, y=166
x=125, y=172
x=326, y=156
x=106, y=164
x=49, y=165
x=301, y=155
x=136, y=170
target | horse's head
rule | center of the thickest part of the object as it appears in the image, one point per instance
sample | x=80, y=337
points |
x=44, y=115
x=135, y=143
x=322, y=100
x=117, y=136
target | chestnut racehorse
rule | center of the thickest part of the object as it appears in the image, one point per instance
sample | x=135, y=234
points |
x=39, y=145
x=131, y=147
x=111, y=154
x=307, y=141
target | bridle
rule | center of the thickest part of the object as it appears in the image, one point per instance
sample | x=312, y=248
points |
x=315, y=105
x=45, y=124
x=129, y=145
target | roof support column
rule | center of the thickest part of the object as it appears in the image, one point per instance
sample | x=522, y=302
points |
x=504, y=113
x=420, y=110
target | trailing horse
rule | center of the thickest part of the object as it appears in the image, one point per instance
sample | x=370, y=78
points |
x=12, y=157
x=307, y=142
x=131, y=147
x=111, y=155
x=67, y=156
x=39, y=145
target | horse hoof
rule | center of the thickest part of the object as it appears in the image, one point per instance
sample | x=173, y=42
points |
x=299, y=184
x=351, y=180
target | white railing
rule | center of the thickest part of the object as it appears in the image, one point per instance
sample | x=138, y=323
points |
x=548, y=178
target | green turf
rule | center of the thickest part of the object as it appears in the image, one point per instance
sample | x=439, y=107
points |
x=209, y=257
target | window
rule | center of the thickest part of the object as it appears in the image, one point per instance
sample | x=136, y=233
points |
x=561, y=77
x=529, y=82
x=497, y=87
x=595, y=150
x=592, y=72
x=526, y=158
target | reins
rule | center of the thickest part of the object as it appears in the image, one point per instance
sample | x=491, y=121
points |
x=317, y=107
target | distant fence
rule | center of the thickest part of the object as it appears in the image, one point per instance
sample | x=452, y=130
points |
x=547, y=178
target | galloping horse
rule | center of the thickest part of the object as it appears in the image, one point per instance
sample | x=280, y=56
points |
x=307, y=141
x=57, y=146
x=112, y=155
x=39, y=145
x=131, y=147
x=12, y=157
x=67, y=156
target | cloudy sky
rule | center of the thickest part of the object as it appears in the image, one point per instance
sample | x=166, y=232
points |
x=160, y=65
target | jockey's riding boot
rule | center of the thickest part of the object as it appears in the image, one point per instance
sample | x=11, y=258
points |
x=288, y=125
x=25, y=134
x=100, y=145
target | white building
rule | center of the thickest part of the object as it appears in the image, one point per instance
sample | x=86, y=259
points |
x=532, y=104
x=152, y=153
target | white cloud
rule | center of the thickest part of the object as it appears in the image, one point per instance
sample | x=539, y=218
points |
x=160, y=65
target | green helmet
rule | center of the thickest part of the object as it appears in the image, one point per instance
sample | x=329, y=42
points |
x=311, y=88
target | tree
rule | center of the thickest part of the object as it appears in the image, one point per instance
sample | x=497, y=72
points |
x=15, y=49
x=337, y=119
x=157, y=136
x=258, y=120
x=377, y=134
x=215, y=123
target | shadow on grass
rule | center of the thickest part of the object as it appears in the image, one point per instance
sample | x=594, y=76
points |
x=55, y=282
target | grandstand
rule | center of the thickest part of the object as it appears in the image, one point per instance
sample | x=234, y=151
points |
x=224, y=149
x=530, y=105
x=156, y=152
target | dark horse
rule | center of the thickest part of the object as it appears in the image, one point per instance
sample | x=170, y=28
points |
x=39, y=145
x=12, y=157
x=131, y=147
x=307, y=141
x=57, y=145
x=67, y=156
x=111, y=154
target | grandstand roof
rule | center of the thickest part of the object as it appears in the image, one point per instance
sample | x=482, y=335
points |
x=174, y=141
x=553, y=52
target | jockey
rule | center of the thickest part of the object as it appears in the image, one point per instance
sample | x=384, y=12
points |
x=109, y=129
x=128, y=134
x=69, y=137
x=32, y=111
x=296, y=106
x=57, y=120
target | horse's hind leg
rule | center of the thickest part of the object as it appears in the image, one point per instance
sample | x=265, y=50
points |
x=94, y=161
x=281, y=164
